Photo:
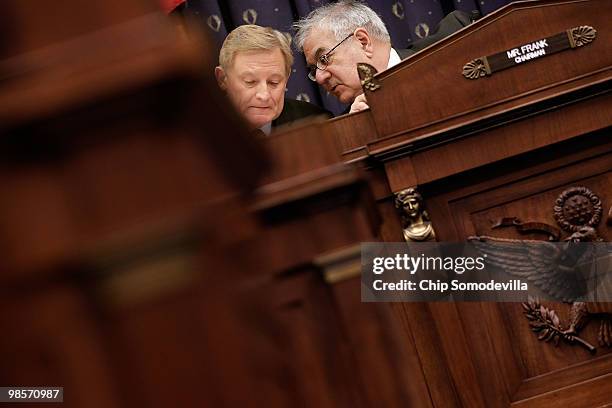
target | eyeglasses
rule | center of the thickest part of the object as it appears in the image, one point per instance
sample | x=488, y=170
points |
x=323, y=61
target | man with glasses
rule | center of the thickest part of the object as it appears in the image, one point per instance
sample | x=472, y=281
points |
x=337, y=36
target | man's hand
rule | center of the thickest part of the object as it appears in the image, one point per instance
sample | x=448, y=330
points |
x=360, y=103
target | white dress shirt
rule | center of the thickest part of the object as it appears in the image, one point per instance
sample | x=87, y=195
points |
x=267, y=128
x=394, y=58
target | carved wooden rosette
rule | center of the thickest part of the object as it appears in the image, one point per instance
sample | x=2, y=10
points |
x=576, y=208
x=416, y=224
x=579, y=36
x=476, y=68
x=366, y=75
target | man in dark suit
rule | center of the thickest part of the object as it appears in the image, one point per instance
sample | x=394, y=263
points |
x=295, y=110
x=337, y=36
x=254, y=66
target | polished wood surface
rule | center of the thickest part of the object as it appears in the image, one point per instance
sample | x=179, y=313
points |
x=120, y=204
x=438, y=95
x=182, y=262
x=164, y=258
x=478, y=150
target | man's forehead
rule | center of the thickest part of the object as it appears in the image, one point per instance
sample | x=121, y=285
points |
x=273, y=55
x=258, y=59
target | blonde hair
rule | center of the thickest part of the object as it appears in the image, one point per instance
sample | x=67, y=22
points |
x=255, y=38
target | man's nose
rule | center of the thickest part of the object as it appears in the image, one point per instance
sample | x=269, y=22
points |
x=322, y=75
x=263, y=93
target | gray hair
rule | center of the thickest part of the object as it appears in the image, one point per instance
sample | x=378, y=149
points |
x=341, y=19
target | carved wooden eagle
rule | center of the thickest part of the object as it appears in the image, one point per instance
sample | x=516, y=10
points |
x=555, y=270
x=552, y=267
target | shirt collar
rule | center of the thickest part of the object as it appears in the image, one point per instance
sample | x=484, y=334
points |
x=394, y=58
x=267, y=128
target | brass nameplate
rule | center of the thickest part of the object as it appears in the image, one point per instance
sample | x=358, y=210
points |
x=572, y=38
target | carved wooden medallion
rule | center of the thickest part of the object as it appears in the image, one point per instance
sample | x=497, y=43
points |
x=577, y=207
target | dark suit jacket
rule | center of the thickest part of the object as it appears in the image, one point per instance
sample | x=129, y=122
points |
x=454, y=21
x=295, y=110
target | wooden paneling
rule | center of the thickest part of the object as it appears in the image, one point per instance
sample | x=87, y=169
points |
x=389, y=371
x=50, y=338
x=187, y=263
x=508, y=362
x=442, y=92
x=510, y=140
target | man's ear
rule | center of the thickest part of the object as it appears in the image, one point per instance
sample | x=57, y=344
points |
x=221, y=78
x=365, y=41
